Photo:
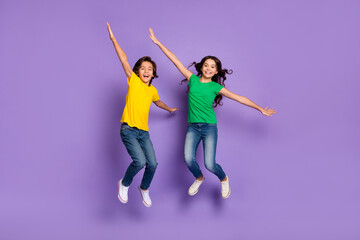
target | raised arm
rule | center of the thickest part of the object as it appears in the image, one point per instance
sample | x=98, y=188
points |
x=247, y=102
x=162, y=105
x=122, y=56
x=184, y=71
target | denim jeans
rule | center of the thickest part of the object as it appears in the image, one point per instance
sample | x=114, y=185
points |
x=141, y=151
x=208, y=134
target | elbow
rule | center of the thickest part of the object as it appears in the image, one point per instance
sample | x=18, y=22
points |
x=157, y=103
x=123, y=58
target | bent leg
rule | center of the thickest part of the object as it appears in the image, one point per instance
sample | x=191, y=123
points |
x=151, y=163
x=192, y=141
x=209, y=138
x=128, y=136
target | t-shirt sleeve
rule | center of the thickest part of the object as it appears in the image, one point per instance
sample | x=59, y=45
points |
x=132, y=77
x=156, y=96
x=217, y=88
x=192, y=78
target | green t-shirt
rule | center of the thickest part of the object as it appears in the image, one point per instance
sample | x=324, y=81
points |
x=201, y=98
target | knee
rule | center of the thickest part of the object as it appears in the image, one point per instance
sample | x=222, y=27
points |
x=153, y=165
x=189, y=156
x=138, y=163
x=210, y=167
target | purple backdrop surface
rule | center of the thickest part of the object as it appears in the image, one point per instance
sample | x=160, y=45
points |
x=62, y=91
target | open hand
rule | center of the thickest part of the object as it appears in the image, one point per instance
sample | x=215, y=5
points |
x=268, y=112
x=152, y=36
x=110, y=32
x=173, y=110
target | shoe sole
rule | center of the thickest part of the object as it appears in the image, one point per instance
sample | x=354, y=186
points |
x=227, y=195
x=197, y=189
x=121, y=200
x=192, y=194
x=146, y=205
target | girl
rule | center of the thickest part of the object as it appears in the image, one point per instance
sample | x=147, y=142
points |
x=134, y=130
x=205, y=91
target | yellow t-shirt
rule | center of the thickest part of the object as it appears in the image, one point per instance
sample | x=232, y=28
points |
x=138, y=100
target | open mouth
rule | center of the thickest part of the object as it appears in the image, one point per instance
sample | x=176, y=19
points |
x=146, y=76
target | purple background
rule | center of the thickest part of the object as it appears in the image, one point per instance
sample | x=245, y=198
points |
x=62, y=92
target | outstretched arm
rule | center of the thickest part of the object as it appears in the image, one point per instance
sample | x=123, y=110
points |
x=247, y=102
x=184, y=71
x=122, y=56
x=162, y=105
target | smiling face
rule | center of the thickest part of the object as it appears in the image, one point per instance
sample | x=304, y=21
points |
x=209, y=68
x=146, y=72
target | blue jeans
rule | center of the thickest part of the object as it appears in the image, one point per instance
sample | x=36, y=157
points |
x=208, y=134
x=141, y=151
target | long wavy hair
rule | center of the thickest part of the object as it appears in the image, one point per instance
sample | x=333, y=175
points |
x=138, y=64
x=219, y=78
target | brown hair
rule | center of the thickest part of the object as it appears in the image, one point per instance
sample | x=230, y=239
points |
x=140, y=61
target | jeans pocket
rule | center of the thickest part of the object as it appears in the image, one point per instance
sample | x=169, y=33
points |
x=191, y=126
x=124, y=128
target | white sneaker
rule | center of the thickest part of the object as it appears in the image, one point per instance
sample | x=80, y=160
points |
x=145, y=197
x=123, y=192
x=225, y=188
x=194, y=188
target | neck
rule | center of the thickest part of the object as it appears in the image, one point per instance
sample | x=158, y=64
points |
x=204, y=79
x=147, y=83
